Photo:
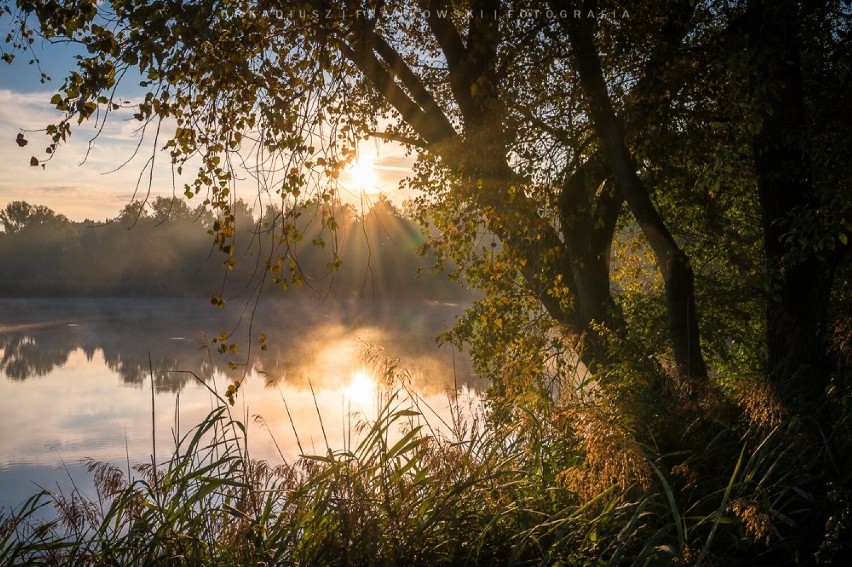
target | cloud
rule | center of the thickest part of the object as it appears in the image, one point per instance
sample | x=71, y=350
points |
x=102, y=166
x=92, y=176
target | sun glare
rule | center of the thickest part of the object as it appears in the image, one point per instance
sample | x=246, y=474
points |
x=362, y=173
x=361, y=389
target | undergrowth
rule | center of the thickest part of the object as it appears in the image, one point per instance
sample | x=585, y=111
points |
x=565, y=484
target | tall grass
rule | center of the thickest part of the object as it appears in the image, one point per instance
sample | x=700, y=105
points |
x=408, y=493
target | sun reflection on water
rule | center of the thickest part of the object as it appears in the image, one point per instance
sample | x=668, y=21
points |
x=361, y=390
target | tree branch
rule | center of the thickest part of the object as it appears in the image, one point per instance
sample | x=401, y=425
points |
x=403, y=72
x=391, y=137
x=446, y=34
x=432, y=126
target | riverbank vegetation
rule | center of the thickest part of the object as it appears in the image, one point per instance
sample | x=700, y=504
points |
x=562, y=483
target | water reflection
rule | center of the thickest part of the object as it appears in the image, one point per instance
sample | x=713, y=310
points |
x=316, y=341
x=75, y=377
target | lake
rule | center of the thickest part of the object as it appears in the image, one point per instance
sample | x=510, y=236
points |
x=76, y=376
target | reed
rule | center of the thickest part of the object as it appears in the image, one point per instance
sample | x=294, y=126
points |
x=407, y=492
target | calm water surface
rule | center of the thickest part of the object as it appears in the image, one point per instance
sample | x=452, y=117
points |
x=75, y=377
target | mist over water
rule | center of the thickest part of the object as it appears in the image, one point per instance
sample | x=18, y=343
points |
x=75, y=376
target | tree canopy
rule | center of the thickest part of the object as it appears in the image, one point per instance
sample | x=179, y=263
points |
x=660, y=191
x=18, y=216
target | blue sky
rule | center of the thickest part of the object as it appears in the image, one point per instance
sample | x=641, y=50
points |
x=55, y=60
x=75, y=190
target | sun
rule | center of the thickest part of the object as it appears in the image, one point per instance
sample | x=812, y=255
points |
x=362, y=173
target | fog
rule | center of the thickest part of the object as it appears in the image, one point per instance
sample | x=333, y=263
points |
x=165, y=251
x=305, y=340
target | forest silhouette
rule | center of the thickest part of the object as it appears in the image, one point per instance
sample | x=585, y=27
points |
x=163, y=249
x=161, y=252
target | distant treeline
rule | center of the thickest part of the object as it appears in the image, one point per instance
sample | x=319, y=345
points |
x=163, y=248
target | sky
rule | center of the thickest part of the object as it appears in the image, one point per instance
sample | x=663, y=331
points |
x=87, y=183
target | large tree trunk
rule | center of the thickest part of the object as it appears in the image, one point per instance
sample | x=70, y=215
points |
x=672, y=262
x=799, y=281
x=580, y=258
x=587, y=222
x=479, y=156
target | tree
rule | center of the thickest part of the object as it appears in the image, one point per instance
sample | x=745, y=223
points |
x=171, y=209
x=132, y=212
x=463, y=127
x=543, y=162
x=791, y=202
x=18, y=216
